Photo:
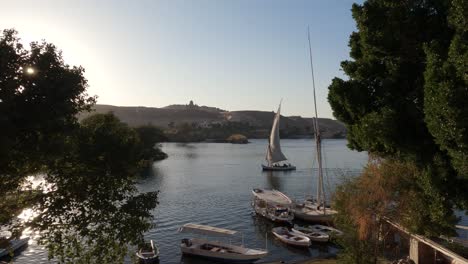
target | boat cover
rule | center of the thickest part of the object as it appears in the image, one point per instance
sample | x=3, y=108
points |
x=205, y=230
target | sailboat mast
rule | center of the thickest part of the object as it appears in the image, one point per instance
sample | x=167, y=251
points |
x=320, y=191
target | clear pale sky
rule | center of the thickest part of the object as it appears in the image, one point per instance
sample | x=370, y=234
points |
x=235, y=55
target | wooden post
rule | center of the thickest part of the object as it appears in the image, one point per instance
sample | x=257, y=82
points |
x=414, y=250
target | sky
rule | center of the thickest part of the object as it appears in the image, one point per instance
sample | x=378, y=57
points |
x=235, y=55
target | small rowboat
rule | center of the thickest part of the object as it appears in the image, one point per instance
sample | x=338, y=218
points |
x=313, y=235
x=290, y=237
x=148, y=253
x=331, y=231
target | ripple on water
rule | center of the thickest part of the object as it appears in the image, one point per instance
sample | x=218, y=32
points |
x=211, y=184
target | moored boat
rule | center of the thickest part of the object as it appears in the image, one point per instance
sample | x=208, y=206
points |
x=13, y=245
x=331, y=231
x=272, y=204
x=216, y=250
x=148, y=253
x=313, y=235
x=312, y=211
x=290, y=237
x=315, y=210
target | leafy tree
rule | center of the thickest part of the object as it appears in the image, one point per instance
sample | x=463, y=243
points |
x=392, y=105
x=93, y=211
x=149, y=137
x=446, y=89
x=40, y=97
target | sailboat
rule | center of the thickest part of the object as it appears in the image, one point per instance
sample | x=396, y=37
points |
x=274, y=154
x=315, y=210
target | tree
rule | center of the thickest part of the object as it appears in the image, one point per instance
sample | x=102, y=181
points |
x=149, y=137
x=93, y=211
x=446, y=90
x=40, y=97
x=387, y=105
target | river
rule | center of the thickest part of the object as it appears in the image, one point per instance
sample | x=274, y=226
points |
x=211, y=183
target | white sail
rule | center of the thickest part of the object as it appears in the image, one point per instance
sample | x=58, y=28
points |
x=274, y=153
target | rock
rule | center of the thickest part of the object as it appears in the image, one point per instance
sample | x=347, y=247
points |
x=237, y=139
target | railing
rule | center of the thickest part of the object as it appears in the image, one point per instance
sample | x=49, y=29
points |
x=430, y=243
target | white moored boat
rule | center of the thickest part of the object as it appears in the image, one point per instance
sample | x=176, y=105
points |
x=217, y=250
x=313, y=235
x=148, y=253
x=315, y=210
x=274, y=154
x=290, y=237
x=273, y=205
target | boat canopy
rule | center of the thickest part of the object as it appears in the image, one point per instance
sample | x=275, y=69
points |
x=272, y=196
x=205, y=230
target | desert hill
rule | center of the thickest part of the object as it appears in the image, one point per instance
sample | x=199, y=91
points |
x=259, y=122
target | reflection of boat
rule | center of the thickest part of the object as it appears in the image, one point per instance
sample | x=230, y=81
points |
x=315, y=210
x=13, y=245
x=148, y=253
x=290, y=237
x=274, y=154
x=313, y=235
x=214, y=249
x=273, y=205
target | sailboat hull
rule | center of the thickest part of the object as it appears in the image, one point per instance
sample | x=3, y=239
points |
x=313, y=215
x=271, y=168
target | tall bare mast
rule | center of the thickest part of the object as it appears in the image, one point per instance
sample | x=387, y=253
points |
x=318, y=141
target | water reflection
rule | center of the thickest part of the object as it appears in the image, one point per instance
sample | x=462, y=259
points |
x=275, y=179
x=189, y=150
x=274, y=182
x=88, y=216
x=213, y=187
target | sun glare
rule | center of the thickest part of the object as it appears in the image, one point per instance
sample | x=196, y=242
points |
x=30, y=70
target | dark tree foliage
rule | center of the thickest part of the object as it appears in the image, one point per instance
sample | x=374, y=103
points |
x=40, y=97
x=446, y=90
x=393, y=104
x=92, y=211
x=87, y=208
x=150, y=136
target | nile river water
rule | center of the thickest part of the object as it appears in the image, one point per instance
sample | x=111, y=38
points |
x=211, y=183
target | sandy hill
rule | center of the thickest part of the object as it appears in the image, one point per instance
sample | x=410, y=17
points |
x=295, y=126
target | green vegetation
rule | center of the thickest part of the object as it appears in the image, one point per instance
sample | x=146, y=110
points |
x=149, y=137
x=91, y=210
x=387, y=189
x=193, y=132
x=404, y=101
